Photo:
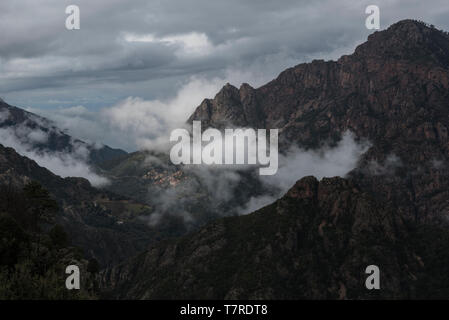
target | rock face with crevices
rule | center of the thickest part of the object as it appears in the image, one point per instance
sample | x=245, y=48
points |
x=393, y=91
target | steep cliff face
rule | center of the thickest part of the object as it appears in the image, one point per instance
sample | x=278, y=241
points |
x=393, y=90
x=231, y=106
x=394, y=74
x=315, y=242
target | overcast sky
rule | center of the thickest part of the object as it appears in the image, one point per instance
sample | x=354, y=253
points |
x=144, y=54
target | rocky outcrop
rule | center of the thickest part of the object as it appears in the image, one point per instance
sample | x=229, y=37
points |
x=231, y=107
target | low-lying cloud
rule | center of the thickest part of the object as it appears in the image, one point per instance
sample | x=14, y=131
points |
x=237, y=189
x=134, y=123
x=147, y=125
x=25, y=140
x=297, y=163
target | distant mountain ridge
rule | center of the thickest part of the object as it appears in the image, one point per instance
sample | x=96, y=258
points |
x=52, y=138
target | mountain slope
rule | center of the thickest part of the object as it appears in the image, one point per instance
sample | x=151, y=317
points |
x=106, y=226
x=314, y=243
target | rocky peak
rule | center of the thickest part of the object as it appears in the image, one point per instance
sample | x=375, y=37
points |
x=306, y=188
x=230, y=107
x=329, y=192
x=408, y=40
x=245, y=89
x=227, y=92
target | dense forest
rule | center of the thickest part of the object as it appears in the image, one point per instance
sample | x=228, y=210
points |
x=34, y=251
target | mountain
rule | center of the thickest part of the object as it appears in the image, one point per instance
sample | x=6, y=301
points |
x=106, y=226
x=393, y=91
x=391, y=210
x=316, y=241
x=42, y=135
x=313, y=243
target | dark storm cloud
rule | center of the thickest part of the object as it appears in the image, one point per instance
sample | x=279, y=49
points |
x=150, y=48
